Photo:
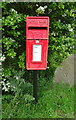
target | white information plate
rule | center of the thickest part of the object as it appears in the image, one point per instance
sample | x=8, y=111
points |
x=37, y=53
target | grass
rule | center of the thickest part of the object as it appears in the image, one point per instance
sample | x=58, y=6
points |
x=54, y=101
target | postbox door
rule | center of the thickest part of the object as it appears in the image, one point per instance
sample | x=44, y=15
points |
x=36, y=54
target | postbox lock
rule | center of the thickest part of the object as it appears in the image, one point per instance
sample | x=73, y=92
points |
x=37, y=41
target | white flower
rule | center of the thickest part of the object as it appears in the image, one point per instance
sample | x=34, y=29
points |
x=71, y=29
x=59, y=20
x=36, y=4
x=17, y=77
x=14, y=10
x=4, y=79
x=41, y=8
x=45, y=6
x=4, y=86
x=8, y=84
x=69, y=26
x=13, y=40
x=2, y=74
x=2, y=58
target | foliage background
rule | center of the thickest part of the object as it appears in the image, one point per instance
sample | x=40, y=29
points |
x=61, y=35
x=15, y=78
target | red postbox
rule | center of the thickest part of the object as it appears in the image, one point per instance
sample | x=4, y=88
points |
x=37, y=29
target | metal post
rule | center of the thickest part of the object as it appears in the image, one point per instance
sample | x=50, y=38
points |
x=35, y=79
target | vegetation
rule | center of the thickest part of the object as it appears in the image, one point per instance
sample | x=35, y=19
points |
x=16, y=81
x=53, y=102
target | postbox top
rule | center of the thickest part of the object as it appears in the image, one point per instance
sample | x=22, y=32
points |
x=39, y=21
x=37, y=17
